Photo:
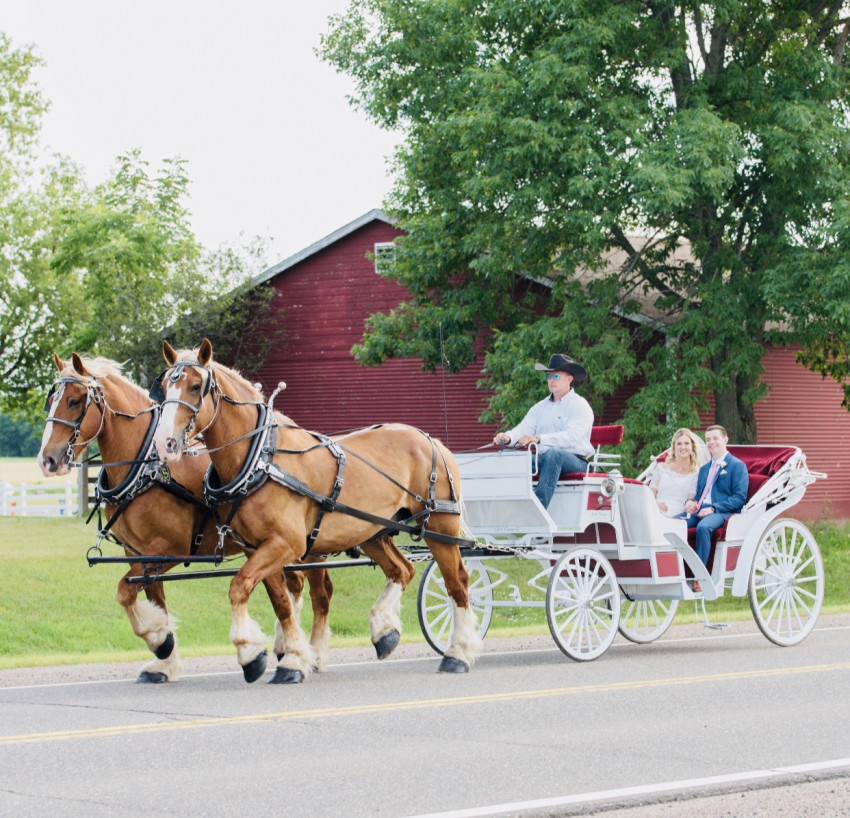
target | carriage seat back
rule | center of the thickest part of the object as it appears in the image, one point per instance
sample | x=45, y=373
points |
x=606, y=435
x=601, y=436
x=762, y=463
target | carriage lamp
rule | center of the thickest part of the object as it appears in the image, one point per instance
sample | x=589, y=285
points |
x=612, y=484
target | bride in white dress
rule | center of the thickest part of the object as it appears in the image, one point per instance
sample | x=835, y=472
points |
x=674, y=480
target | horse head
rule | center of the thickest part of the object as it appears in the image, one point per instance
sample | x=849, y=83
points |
x=68, y=416
x=185, y=392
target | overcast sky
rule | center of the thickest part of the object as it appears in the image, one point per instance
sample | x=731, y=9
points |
x=273, y=146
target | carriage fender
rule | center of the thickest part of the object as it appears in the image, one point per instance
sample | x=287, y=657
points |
x=753, y=537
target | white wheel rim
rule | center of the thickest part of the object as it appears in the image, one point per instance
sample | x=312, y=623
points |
x=786, y=582
x=583, y=604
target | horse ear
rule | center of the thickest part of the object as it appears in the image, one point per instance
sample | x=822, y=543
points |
x=169, y=353
x=79, y=366
x=205, y=352
x=58, y=361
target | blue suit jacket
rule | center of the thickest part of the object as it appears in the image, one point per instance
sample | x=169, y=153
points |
x=729, y=492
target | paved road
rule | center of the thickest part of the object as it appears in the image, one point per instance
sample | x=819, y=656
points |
x=703, y=722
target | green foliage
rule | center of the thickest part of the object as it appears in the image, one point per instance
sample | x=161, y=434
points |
x=109, y=271
x=692, y=160
x=131, y=252
x=34, y=307
x=18, y=438
x=145, y=278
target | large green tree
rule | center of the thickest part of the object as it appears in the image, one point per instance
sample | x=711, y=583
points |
x=592, y=177
x=106, y=271
x=131, y=251
x=35, y=311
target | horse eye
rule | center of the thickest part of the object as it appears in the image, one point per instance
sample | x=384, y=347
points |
x=73, y=402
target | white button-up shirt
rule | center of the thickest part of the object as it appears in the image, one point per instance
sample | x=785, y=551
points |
x=563, y=424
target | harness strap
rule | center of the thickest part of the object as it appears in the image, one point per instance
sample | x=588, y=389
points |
x=330, y=502
x=444, y=506
x=259, y=466
x=144, y=475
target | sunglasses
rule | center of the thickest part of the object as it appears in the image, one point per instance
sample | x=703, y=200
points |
x=553, y=376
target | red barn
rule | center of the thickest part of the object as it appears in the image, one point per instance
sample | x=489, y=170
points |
x=325, y=293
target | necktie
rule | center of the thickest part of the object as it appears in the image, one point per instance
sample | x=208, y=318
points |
x=708, y=483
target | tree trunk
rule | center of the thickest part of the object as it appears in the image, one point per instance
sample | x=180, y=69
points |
x=730, y=411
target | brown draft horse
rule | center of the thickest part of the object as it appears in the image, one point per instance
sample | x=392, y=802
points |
x=92, y=401
x=379, y=472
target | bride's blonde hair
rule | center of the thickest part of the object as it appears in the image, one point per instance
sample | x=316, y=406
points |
x=693, y=460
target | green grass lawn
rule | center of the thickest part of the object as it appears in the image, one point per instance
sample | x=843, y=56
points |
x=56, y=609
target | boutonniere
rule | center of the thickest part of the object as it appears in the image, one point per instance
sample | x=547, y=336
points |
x=722, y=465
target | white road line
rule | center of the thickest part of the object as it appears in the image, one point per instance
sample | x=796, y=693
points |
x=630, y=792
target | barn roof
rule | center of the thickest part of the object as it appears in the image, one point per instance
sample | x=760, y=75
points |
x=321, y=244
x=614, y=259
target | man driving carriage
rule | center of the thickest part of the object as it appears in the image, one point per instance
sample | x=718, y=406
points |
x=560, y=425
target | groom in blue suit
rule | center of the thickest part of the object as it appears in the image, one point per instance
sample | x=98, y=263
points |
x=722, y=486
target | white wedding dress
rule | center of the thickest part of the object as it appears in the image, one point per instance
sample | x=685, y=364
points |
x=672, y=488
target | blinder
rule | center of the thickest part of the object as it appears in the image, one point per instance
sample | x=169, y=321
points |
x=157, y=393
x=50, y=394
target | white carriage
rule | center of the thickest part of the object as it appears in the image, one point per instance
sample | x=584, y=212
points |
x=610, y=561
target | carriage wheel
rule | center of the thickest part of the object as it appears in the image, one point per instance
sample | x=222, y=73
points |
x=786, y=582
x=435, y=609
x=646, y=620
x=583, y=604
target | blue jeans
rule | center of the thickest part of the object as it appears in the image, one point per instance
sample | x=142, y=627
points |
x=551, y=464
x=705, y=527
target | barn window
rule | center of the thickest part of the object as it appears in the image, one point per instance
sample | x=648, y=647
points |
x=384, y=252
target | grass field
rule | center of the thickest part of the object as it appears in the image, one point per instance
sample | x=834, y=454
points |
x=25, y=470
x=55, y=609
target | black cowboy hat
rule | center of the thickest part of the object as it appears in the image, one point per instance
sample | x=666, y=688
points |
x=562, y=363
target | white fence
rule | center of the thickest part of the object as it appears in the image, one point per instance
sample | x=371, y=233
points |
x=38, y=500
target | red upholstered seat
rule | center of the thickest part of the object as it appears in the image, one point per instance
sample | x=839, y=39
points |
x=606, y=435
x=762, y=463
x=600, y=436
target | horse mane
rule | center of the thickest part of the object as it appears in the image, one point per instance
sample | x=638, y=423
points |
x=232, y=374
x=98, y=368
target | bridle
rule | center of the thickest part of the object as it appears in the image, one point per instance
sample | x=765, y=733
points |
x=157, y=393
x=94, y=394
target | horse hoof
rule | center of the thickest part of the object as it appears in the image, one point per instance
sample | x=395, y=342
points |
x=387, y=644
x=146, y=677
x=165, y=649
x=253, y=670
x=452, y=665
x=285, y=676
x=280, y=656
